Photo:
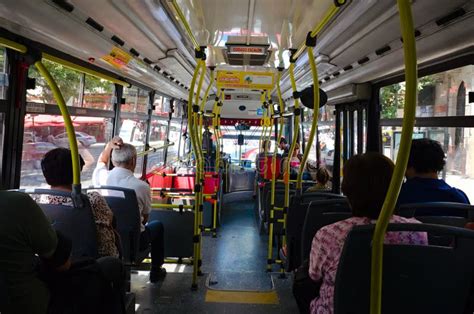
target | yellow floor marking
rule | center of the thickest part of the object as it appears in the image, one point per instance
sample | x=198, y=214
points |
x=219, y=296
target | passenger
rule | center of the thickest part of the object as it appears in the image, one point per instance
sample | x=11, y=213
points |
x=284, y=146
x=366, y=181
x=36, y=266
x=426, y=160
x=322, y=181
x=260, y=159
x=57, y=170
x=295, y=162
x=124, y=158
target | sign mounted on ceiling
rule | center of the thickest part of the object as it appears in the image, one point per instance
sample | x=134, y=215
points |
x=242, y=79
x=247, y=50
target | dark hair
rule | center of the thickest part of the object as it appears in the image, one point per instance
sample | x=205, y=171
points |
x=322, y=175
x=57, y=166
x=426, y=156
x=283, y=140
x=365, y=183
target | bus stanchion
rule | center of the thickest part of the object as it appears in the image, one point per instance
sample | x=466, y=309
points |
x=270, y=259
x=409, y=49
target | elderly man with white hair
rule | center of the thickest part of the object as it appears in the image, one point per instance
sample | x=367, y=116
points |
x=124, y=159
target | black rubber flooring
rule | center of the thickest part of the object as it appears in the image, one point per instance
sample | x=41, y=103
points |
x=235, y=260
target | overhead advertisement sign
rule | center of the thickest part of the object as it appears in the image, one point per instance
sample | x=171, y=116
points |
x=243, y=79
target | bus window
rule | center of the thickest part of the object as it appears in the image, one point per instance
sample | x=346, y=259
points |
x=69, y=82
x=249, y=150
x=157, y=138
x=98, y=93
x=440, y=95
x=134, y=132
x=174, y=136
x=43, y=133
x=136, y=100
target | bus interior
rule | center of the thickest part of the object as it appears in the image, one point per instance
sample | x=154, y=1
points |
x=206, y=90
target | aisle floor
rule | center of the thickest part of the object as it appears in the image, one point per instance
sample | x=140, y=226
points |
x=234, y=266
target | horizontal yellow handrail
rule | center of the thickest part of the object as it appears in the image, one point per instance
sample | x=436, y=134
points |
x=7, y=43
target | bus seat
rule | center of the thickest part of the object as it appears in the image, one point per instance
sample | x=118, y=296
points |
x=77, y=224
x=123, y=203
x=3, y=293
x=295, y=221
x=160, y=181
x=437, y=209
x=178, y=230
x=416, y=278
x=320, y=214
x=184, y=182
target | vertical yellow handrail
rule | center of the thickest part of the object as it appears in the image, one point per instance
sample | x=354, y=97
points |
x=409, y=49
x=76, y=168
x=195, y=148
x=274, y=161
x=314, y=125
x=203, y=104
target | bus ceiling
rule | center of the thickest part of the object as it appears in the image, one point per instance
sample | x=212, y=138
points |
x=143, y=41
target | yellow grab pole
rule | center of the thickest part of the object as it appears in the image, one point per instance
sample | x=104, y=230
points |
x=203, y=104
x=335, y=7
x=274, y=161
x=409, y=49
x=186, y=25
x=76, y=168
x=314, y=125
x=7, y=43
x=200, y=163
x=195, y=149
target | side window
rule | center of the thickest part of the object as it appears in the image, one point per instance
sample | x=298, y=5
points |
x=440, y=95
x=46, y=132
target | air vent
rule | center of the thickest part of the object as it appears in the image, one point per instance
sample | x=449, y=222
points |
x=347, y=68
x=148, y=61
x=363, y=60
x=66, y=6
x=94, y=24
x=382, y=50
x=450, y=17
x=134, y=52
x=118, y=40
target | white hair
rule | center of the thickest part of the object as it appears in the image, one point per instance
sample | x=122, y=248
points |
x=124, y=155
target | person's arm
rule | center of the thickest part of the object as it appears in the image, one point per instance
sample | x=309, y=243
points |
x=104, y=157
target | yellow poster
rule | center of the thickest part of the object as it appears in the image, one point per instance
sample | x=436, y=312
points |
x=241, y=79
x=117, y=57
